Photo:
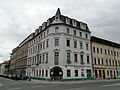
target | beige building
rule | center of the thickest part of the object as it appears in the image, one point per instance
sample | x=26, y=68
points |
x=106, y=58
x=21, y=61
x=18, y=60
x=13, y=59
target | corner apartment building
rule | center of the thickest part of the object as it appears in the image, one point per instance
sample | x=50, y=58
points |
x=106, y=58
x=60, y=49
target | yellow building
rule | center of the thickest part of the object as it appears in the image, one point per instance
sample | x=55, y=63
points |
x=105, y=58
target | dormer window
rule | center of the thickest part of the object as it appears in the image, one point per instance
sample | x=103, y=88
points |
x=56, y=18
x=74, y=22
x=83, y=26
x=67, y=20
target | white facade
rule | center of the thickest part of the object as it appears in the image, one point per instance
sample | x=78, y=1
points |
x=60, y=50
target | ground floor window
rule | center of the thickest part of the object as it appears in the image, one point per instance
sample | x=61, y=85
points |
x=42, y=73
x=68, y=73
x=46, y=73
x=39, y=73
x=76, y=73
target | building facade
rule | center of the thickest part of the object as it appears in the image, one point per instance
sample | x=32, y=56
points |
x=18, y=60
x=13, y=59
x=4, y=68
x=60, y=49
x=106, y=58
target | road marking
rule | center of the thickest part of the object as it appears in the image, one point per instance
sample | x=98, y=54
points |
x=0, y=84
x=110, y=85
x=53, y=85
x=14, y=88
x=75, y=88
x=36, y=86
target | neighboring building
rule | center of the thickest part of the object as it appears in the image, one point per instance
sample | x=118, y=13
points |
x=60, y=49
x=106, y=58
x=21, y=61
x=18, y=60
x=4, y=67
x=13, y=59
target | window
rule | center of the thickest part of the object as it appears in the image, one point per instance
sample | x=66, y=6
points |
x=44, y=34
x=41, y=46
x=81, y=45
x=115, y=53
x=75, y=57
x=46, y=73
x=47, y=58
x=106, y=62
x=98, y=61
x=39, y=73
x=97, y=50
x=56, y=58
x=94, y=49
x=41, y=35
x=47, y=31
x=68, y=56
x=108, y=52
x=42, y=73
x=111, y=52
x=76, y=73
x=113, y=62
x=74, y=32
x=80, y=34
x=47, y=45
x=102, y=61
x=56, y=29
x=81, y=58
x=68, y=43
x=68, y=73
x=44, y=45
x=95, y=61
x=56, y=42
x=43, y=58
x=87, y=48
x=68, y=30
x=40, y=58
x=109, y=62
x=75, y=44
x=88, y=59
x=86, y=35
x=101, y=50
x=105, y=51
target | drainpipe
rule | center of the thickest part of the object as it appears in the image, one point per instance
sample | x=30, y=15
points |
x=92, y=60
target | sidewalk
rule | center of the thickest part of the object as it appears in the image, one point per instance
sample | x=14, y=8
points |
x=70, y=82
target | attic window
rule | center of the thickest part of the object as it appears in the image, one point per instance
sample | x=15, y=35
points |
x=56, y=18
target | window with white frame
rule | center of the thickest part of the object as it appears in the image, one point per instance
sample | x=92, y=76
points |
x=56, y=41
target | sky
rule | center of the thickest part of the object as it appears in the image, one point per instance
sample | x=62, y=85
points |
x=19, y=18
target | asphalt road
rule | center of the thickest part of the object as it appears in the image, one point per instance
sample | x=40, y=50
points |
x=7, y=84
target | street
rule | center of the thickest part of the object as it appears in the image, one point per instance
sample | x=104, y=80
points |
x=7, y=84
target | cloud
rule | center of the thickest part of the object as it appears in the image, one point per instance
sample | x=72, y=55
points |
x=18, y=18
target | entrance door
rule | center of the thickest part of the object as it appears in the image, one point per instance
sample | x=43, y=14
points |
x=56, y=73
x=89, y=74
